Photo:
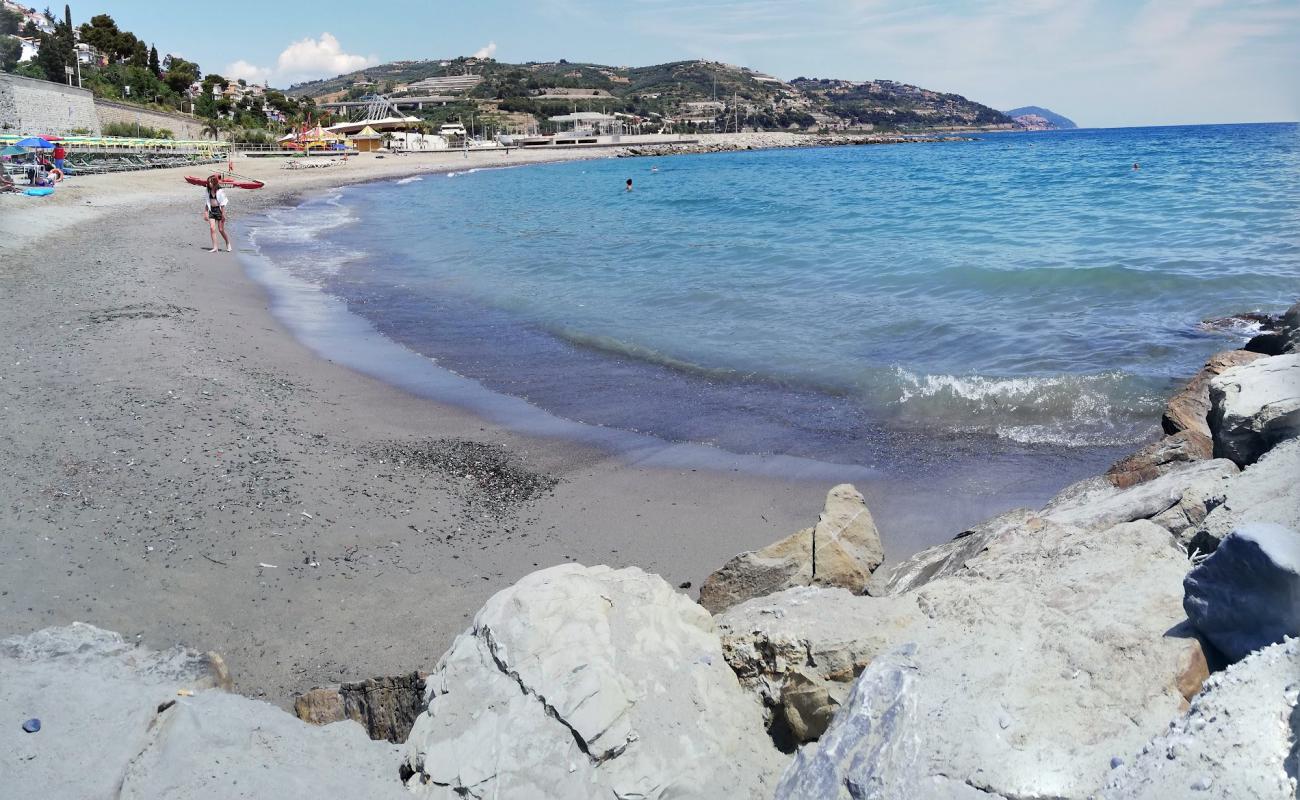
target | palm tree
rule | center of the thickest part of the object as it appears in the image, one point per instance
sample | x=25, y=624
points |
x=212, y=128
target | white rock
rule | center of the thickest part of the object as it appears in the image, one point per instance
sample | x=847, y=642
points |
x=1246, y=595
x=1255, y=406
x=103, y=734
x=584, y=682
x=1266, y=491
x=842, y=549
x=1238, y=739
x=1044, y=656
x=1096, y=504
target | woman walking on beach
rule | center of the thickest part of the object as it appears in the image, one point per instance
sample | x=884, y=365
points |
x=214, y=211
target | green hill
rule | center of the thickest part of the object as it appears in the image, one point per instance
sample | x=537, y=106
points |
x=685, y=90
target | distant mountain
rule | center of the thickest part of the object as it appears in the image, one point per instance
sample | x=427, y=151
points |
x=1055, y=122
x=690, y=92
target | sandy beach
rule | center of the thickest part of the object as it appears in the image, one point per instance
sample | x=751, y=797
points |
x=175, y=466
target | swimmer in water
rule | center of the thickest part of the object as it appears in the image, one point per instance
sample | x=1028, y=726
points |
x=1136, y=165
x=629, y=184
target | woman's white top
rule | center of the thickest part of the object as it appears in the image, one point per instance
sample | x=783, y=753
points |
x=221, y=199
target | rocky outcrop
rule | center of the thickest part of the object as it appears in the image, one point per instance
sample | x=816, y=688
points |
x=1282, y=337
x=1246, y=595
x=1241, y=738
x=120, y=721
x=1255, y=406
x=1189, y=409
x=1032, y=663
x=1160, y=458
x=386, y=707
x=1266, y=491
x=950, y=558
x=843, y=549
x=1096, y=503
x=589, y=682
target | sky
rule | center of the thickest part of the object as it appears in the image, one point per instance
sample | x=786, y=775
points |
x=1104, y=63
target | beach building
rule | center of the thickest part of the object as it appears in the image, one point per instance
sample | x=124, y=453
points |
x=367, y=140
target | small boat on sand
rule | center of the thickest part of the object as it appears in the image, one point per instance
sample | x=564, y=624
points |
x=229, y=180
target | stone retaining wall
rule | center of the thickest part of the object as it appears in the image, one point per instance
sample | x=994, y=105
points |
x=181, y=126
x=36, y=107
x=31, y=106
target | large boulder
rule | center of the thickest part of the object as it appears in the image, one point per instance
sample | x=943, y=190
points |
x=1239, y=739
x=386, y=706
x=1096, y=503
x=1265, y=491
x=1284, y=336
x=950, y=558
x=1189, y=409
x=589, y=682
x=125, y=722
x=1255, y=406
x=1035, y=663
x=1246, y=595
x=842, y=549
x=1159, y=458
x=871, y=749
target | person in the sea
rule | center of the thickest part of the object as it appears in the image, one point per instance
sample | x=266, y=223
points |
x=629, y=184
x=1136, y=165
x=214, y=211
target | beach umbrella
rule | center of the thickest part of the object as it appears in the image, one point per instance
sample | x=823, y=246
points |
x=35, y=142
x=12, y=150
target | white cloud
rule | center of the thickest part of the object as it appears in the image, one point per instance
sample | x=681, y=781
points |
x=249, y=72
x=304, y=60
x=486, y=51
x=318, y=58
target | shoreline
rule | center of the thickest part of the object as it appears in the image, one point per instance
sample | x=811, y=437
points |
x=175, y=437
x=172, y=436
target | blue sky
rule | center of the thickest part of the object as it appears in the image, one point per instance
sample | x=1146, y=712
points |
x=1102, y=62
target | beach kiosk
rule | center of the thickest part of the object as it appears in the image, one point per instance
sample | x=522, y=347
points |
x=367, y=140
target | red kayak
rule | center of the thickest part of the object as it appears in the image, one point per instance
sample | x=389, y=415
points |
x=241, y=183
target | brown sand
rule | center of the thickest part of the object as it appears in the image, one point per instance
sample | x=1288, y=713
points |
x=164, y=437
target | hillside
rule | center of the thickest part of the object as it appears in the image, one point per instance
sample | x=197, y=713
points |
x=1054, y=121
x=684, y=92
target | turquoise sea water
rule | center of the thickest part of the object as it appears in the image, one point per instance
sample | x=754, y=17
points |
x=1028, y=299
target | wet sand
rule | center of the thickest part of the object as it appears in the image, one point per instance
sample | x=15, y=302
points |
x=174, y=465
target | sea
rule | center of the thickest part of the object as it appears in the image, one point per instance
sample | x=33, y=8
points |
x=959, y=328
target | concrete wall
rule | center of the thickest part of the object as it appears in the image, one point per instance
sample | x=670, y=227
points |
x=181, y=126
x=34, y=107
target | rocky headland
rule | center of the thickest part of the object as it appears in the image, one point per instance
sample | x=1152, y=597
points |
x=1133, y=638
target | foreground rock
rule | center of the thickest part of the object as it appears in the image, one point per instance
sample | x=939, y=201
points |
x=1255, y=406
x=1188, y=492
x=1189, y=410
x=386, y=707
x=1238, y=740
x=1266, y=491
x=583, y=682
x=843, y=549
x=1246, y=595
x=129, y=723
x=1044, y=655
x=1160, y=458
x=951, y=558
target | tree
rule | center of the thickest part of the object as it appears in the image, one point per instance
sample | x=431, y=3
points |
x=102, y=34
x=67, y=17
x=56, y=53
x=154, y=66
x=212, y=128
x=10, y=22
x=10, y=51
x=180, y=73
